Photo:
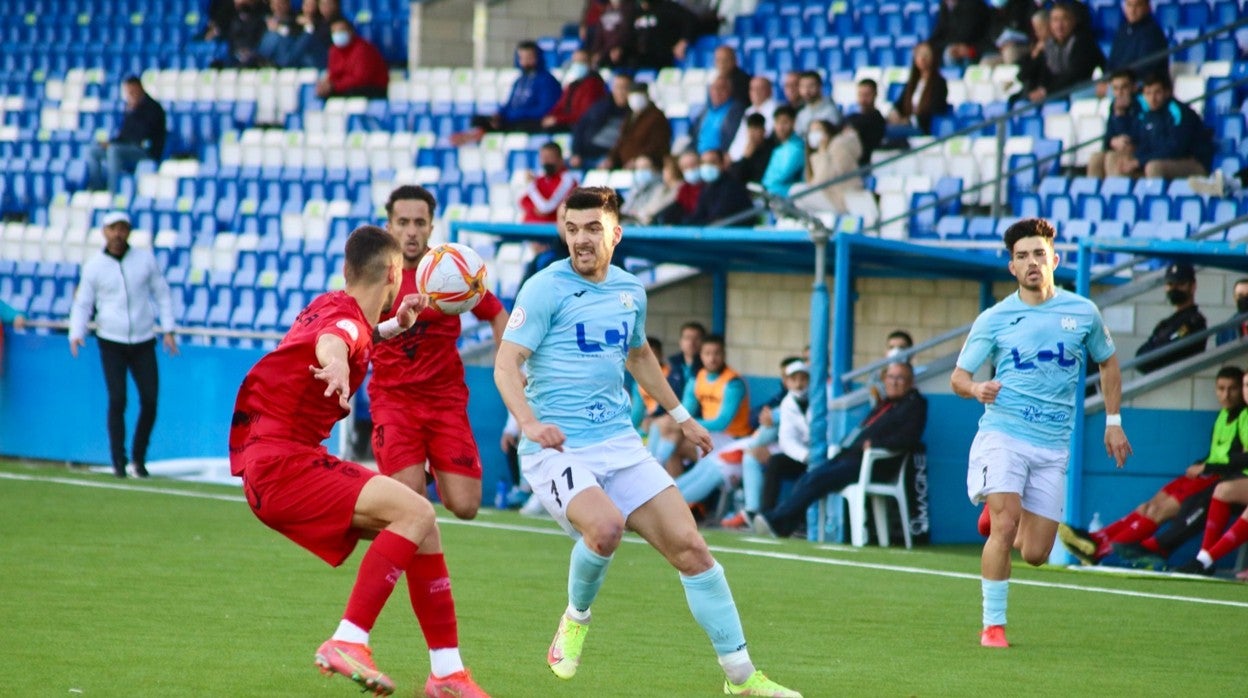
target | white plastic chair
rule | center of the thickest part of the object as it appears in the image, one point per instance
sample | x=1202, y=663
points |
x=856, y=497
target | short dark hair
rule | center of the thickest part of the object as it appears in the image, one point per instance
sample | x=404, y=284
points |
x=719, y=154
x=756, y=120
x=551, y=145
x=901, y=334
x=811, y=74
x=1158, y=78
x=587, y=198
x=368, y=255
x=784, y=110
x=1026, y=228
x=713, y=339
x=656, y=344
x=409, y=192
x=132, y=79
x=868, y=82
x=1240, y=280
x=529, y=45
x=694, y=325
x=1124, y=73
x=1230, y=372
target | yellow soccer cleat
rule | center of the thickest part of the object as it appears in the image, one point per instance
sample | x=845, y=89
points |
x=759, y=685
x=565, y=650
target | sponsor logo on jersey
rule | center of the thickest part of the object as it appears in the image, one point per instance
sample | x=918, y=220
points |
x=516, y=321
x=1069, y=324
x=352, y=330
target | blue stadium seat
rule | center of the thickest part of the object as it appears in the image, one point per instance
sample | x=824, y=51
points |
x=243, y=314
x=951, y=228
x=923, y=212
x=1028, y=206
x=1074, y=230
x=197, y=311
x=1090, y=206
x=1157, y=208
x=1111, y=229
x=267, y=314
x=1124, y=207
x=222, y=307
x=982, y=228
x=1059, y=207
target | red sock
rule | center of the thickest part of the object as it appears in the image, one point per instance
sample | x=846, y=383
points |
x=985, y=522
x=1136, y=527
x=1215, y=522
x=1110, y=532
x=429, y=585
x=380, y=570
x=1150, y=544
x=1231, y=539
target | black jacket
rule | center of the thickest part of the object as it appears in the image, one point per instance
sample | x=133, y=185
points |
x=1172, y=329
x=145, y=126
x=720, y=199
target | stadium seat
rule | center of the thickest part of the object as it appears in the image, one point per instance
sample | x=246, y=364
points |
x=855, y=496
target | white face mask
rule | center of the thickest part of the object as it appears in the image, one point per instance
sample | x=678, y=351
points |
x=692, y=176
x=642, y=177
x=575, y=72
x=815, y=139
x=638, y=102
x=709, y=173
x=340, y=39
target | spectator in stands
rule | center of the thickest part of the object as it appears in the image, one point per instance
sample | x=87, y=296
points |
x=645, y=130
x=356, y=68
x=791, y=88
x=752, y=163
x=1012, y=30
x=926, y=95
x=723, y=195
x=241, y=24
x=833, y=152
x=1132, y=537
x=690, y=165
x=815, y=105
x=1069, y=58
x=141, y=137
x=868, y=122
x=762, y=103
x=961, y=34
x=651, y=192
x=607, y=35
x=726, y=66
x=715, y=127
x=1138, y=36
x=598, y=130
x=720, y=398
x=1124, y=115
x=316, y=19
x=547, y=188
x=687, y=361
x=706, y=19
x=1239, y=294
x=583, y=88
x=645, y=405
x=662, y=31
x=674, y=182
x=1170, y=139
x=1186, y=320
x=286, y=44
x=1040, y=37
x=122, y=288
x=533, y=93
x=788, y=159
x=896, y=423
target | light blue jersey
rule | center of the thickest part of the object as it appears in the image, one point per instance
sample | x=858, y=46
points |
x=1039, y=352
x=579, y=333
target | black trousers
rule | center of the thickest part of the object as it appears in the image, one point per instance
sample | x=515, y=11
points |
x=140, y=360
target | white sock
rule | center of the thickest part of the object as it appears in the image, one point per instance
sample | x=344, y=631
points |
x=1205, y=559
x=737, y=666
x=350, y=632
x=445, y=662
x=577, y=615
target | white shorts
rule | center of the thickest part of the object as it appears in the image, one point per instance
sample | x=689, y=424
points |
x=1002, y=463
x=621, y=467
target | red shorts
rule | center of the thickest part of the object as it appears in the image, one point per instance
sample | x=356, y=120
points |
x=307, y=495
x=443, y=439
x=1183, y=487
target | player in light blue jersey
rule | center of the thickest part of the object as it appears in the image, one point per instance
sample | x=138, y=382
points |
x=1039, y=340
x=579, y=324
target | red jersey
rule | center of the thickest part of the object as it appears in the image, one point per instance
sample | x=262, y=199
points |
x=280, y=400
x=422, y=366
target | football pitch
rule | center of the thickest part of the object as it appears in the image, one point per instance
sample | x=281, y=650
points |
x=163, y=588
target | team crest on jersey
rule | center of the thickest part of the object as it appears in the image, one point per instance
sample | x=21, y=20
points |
x=1069, y=324
x=626, y=300
x=516, y=321
x=350, y=328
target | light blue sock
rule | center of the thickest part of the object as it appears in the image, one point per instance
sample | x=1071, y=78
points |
x=752, y=482
x=585, y=575
x=995, y=597
x=710, y=601
x=663, y=449
x=700, y=481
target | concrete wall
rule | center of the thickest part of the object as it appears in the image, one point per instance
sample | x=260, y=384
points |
x=442, y=30
x=441, y=33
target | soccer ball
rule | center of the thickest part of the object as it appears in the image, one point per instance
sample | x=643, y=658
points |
x=453, y=276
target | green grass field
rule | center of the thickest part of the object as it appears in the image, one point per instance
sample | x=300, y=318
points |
x=125, y=589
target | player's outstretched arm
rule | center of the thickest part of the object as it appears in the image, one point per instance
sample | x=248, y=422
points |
x=510, y=381
x=1116, y=444
x=644, y=366
x=404, y=317
x=334, y=370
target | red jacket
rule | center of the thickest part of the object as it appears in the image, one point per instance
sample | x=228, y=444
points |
x=576, y=99
x=358, y=65
x=542, y=197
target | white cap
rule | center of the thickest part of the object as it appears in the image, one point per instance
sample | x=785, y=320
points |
x=796, y=367
x=116, y=217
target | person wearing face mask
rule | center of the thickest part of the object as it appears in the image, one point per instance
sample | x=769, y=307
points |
x=645, y=130
x=690, y=164
x=651, y=192
x=583, y=87
x=1187, y=319
x=1239, y=295
x=548, y=188
x=723, y=195
x=833, y=153
x=356, y=68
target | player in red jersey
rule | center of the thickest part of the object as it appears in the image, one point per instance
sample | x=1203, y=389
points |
x=286, y=407
x=418, y=398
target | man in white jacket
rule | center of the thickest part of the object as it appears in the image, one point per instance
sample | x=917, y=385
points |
x=123, y=288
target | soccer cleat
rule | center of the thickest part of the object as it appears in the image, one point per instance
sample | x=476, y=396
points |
x=354, y=661
x=759, y=685
x=985, y=522
x=564, y=655
x=1139, y=556
x=735, y=522
x=763, y=527
x=457, y=685
x=993, y=636
x=1079, y=543
x=1194, y=566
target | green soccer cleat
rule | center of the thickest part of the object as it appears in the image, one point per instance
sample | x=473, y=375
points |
x=564, y=655
x=759, y=685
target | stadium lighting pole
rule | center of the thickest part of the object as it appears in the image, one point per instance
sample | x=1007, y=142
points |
x=819, y=337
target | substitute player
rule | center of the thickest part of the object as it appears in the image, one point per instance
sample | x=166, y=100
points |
x=579, y=324
x=286, y=407
x=1038, y=339
x=418, y=398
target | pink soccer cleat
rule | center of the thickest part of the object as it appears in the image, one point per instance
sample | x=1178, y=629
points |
x=354, y=661
x=457, y=685
x=993, y=636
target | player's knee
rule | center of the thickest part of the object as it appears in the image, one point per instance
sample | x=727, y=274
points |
x=604, y=536
x=416, y=518
x=691, y=556
x=464, y=510
x=1036, y=556
x=1004, y=528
